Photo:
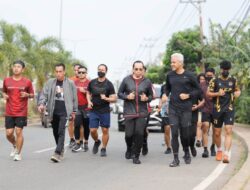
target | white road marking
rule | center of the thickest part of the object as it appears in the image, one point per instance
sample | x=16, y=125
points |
x=213, y=176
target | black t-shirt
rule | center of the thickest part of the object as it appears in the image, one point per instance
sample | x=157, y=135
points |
x=60, y=108
x=223, y=103
x=96, y=88
x=196, y=100
x=181, y=83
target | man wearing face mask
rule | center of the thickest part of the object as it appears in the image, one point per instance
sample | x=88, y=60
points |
x=223, y=90
x=207, y=113
x=100, y=94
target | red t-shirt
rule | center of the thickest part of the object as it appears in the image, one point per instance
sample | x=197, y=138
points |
x=15, y=105
x=82, y=100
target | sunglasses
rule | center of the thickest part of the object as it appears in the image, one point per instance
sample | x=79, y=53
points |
x=81, y=72
x=138, y=69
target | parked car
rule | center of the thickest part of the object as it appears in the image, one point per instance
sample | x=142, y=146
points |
x=154, y=121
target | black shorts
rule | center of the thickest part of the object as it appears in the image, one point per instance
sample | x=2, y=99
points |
x=225, y=117
x=165, y=121
x=207, y=117
x=12, y=122
x=82, y=118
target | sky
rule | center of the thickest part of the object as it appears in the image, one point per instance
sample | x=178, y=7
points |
x=115, y=32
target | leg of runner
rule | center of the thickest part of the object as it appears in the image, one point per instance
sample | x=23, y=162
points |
x=167, y=139
x=19, y=143
x=205, y=127
x=72, y=141
x=129, y=132
x=145, y=142
x=86, y=134
x=198, y=134
x=94, y=135
x=218, y=144
x=192, y=138
x=78, y=130
x=11, y=138
x=105, y=139
x=228, y=142
x=212, y=148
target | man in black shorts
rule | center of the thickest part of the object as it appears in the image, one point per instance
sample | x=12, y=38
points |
x=223, y=90
x=16, y=91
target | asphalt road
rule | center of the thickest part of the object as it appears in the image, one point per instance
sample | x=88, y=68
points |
x=84, y=170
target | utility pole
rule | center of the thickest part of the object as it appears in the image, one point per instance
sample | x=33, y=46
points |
x=197, y=5
x=60, y=20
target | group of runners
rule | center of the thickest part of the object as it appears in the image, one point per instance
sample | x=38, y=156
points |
x=190, y=107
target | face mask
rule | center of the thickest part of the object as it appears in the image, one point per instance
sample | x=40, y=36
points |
x=101, y=74
x=225, y=73
x=208, y=79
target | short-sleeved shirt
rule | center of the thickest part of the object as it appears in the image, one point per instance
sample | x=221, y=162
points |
x=60, y=108
x=96, y=88
x=15, y=105
x=208, y=106
x=223, y=103
x=82, y=99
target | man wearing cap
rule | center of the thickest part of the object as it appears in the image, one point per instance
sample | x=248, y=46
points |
x=16, y=91
x=223, y=90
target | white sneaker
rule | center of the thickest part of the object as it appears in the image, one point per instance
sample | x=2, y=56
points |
x=13, y=152
x=17, y=157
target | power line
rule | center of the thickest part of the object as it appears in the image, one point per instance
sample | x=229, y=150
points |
x=240, y=9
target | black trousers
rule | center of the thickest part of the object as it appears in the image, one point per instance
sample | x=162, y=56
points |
x=180, y=122
x=134, y=132
x=59, y=125
x=81, y=119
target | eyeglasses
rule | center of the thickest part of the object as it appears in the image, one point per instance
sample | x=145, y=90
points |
x=138, y=69
x=81, y=72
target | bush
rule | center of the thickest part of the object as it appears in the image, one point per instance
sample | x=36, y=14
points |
x=242, y=108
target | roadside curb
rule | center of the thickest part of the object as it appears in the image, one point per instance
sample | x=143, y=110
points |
x=241, y=180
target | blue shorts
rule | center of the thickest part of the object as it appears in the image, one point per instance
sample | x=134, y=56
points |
x=99, y=119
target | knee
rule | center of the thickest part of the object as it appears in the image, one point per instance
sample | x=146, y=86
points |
x=9, y=134
x=93, y=130
x=19, y=132
x=229, y=131
x=217, y=133
x=105, y=131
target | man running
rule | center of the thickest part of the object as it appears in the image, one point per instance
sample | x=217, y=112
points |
x=100, y=94
x=183, y=86
x=60, y=96
x=207, y=114
x=223, y=90
x=82, y=119
x=16, y=91
x=136, y=91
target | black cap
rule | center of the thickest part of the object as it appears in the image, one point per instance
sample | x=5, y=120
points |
x=20, y=62
x=226, y=65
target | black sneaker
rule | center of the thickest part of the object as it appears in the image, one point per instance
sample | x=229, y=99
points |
x=175, y=163
x=103, y=152
x=128, y=154
x=168, y=151
x=136, y=160
x=96, y=146
x=77, y=147
x=193, y=151
x=72, y=143
x=144, y=149
x=85, y=147
x=198, y=143
x=56, y=157
x=212, y=149
x=187, y=158
x=205, y=154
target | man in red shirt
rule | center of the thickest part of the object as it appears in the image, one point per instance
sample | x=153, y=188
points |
x=82, y=119
x=16, y=91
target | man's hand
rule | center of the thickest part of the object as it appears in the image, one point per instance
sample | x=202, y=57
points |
x=24, y=94
x=131, y=96
x=41, y=108
x=144, y=97
x=221, y=92
x=194, y=107
x=104, y=97
x=184, y=96
x=5, y=96
x=90, y=105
